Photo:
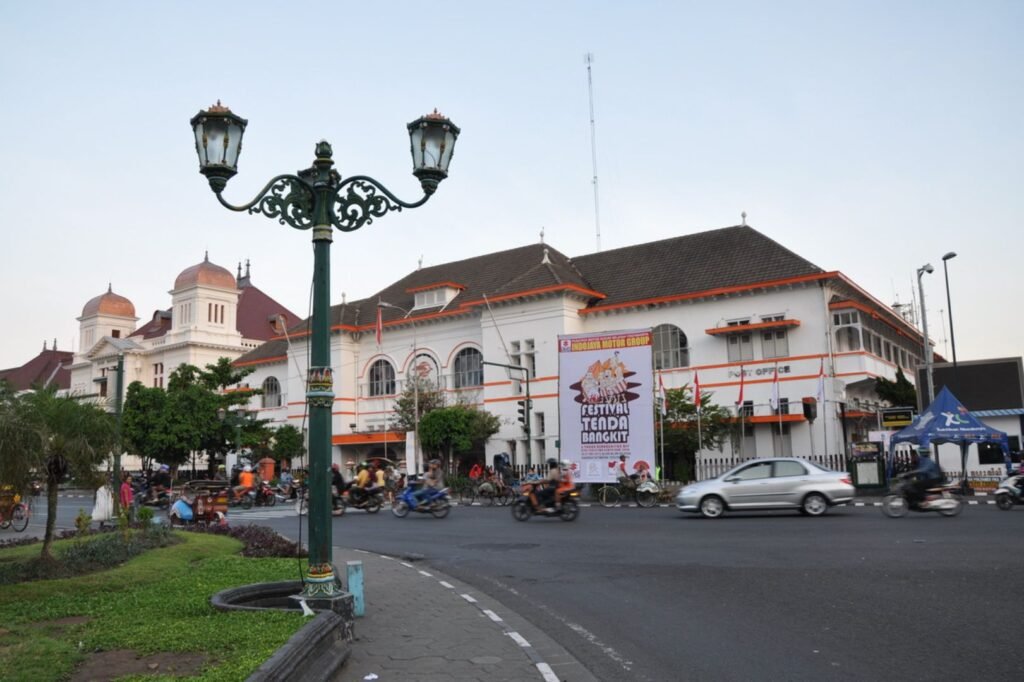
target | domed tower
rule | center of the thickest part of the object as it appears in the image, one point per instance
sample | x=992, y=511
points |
x=205, y=301
x=108, y=314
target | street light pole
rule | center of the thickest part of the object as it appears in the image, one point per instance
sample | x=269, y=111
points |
x=417, y=464
x=928, y=358
x=319, y=199
x=949, y=307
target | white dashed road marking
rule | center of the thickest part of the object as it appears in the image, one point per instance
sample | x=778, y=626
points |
x=518, y=639
x=543, y=668
x=547, y=673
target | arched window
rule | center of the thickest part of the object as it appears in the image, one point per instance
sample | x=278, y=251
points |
x=382, y=378
x=271, y=392
x=469, y=368
x=670, y=349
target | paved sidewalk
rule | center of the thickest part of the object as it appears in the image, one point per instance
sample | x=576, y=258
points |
x=424, y=626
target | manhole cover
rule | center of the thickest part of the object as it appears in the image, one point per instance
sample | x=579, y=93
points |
x=501, y=546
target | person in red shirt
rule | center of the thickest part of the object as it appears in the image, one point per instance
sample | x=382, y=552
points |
x=126, y=495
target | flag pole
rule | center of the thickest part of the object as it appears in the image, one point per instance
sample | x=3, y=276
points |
x=700, y=437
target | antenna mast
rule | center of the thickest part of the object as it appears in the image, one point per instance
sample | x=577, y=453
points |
x=588, y=59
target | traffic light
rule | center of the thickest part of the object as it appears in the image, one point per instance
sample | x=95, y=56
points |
x=810, y=409
x=523, y=416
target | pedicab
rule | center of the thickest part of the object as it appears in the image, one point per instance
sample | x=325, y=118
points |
x=201, y=503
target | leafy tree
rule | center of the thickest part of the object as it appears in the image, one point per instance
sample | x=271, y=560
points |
x=288, y=443
x=190, y=415
x=59, y=436
x=17, y=436
x=682, y=437
x=456, y=429
x=144, y=422
x=898, y=393
x=418, y=392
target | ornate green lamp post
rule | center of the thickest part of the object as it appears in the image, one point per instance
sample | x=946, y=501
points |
x=318, y=198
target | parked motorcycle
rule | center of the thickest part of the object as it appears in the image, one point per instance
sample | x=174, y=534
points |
x=523, y=509
x=434, y=502
x=1008, y=493
x=902, y=500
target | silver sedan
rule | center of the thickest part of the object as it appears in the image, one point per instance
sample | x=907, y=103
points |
x=770, y=483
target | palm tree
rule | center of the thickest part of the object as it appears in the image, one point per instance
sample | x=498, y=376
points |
x=60, y=436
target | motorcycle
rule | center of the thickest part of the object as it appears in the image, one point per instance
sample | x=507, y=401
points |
x=901, y=500
x=370, y=499
x=261, y=496
x=435, y=502
x=1008, y=493
x=152, y=496
x=523, y=509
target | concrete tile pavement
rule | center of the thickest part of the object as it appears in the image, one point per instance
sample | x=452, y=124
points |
x=422, y=625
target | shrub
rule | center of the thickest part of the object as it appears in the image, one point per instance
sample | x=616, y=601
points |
x=94, y=552
x=82, y=522
x=260, y=541
x=145, y=517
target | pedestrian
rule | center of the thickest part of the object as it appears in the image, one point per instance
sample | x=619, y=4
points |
x=127, y=497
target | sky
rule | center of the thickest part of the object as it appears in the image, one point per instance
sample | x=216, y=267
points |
x=868, y=137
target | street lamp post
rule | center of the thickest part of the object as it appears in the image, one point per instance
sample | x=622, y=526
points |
x=319, y=199
x=415, y=395
x=237, y=419
x=928, y=358
x=949, y=307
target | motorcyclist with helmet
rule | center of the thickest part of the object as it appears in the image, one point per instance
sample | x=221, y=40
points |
x=927, y=475
x=545, y=490
x=246, y=481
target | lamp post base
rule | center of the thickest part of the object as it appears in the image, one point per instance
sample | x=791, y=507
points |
x=321, y=582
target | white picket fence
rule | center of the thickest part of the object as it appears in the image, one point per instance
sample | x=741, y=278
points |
x=713, y=466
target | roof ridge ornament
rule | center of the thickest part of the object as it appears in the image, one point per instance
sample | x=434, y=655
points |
x=546, y=260
x=743, y=219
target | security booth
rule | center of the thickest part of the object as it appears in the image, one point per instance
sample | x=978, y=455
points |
x=867, y=466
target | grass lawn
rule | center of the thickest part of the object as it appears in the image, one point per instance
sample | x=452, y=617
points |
x=157, y=602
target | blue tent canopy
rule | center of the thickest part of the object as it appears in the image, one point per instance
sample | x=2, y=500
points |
x=946, y=420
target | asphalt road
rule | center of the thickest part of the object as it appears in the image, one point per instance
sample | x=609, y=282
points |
x=655, y=595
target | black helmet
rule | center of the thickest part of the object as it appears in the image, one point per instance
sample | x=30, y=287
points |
x=552, y=462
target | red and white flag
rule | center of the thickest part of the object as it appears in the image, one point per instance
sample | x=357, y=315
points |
x=774, y=399
x=661, y=394
x=696, y=390
x=380, y=326
x=821, y=382
x=739, y=399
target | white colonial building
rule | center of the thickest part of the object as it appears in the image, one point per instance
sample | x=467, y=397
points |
x=212, y=315
x=720, y=303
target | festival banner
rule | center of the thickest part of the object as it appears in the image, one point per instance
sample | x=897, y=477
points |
x=606, y=403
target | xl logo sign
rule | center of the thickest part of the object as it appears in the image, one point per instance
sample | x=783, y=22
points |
x=953, y=419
